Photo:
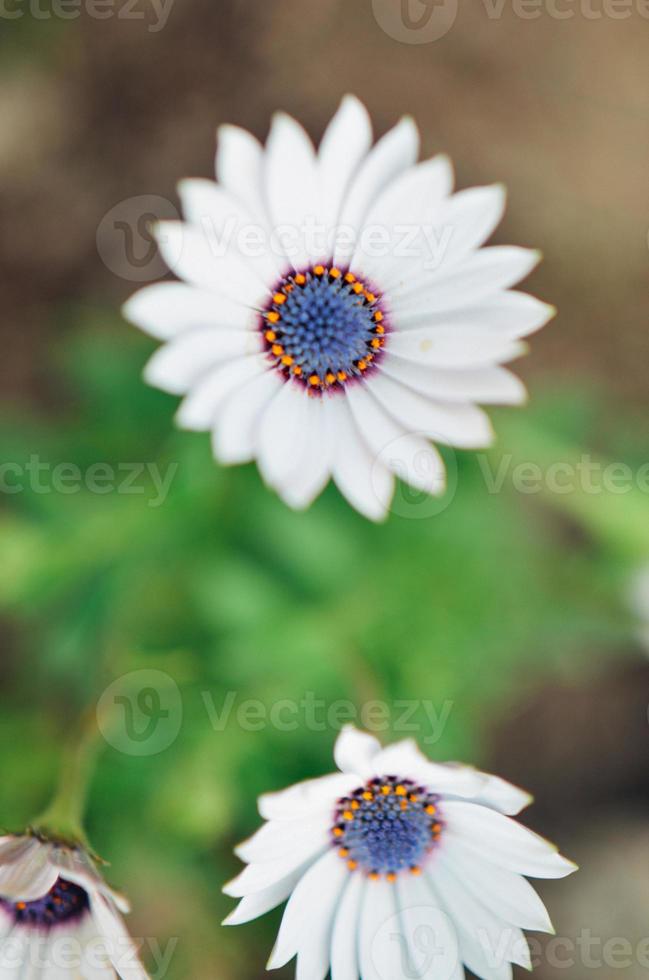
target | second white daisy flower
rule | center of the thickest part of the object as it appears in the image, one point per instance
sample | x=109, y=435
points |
x=338, y=311
x=388, y=854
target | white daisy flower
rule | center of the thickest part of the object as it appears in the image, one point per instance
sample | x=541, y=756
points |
x=337, y=310
x=58, y=918
x=392, y=860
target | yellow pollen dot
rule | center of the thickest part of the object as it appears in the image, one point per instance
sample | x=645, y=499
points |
x=350, y=277
x=314, y=380
x=288, y=288
x=352, y=865
x=319, y=270
x=342, y=376
x=355, y=805
x=376, y=343
x=277, y=349
x=20, y=906
x=335, y=273
x=270, y=336
x=404, y=804
x=386, y=790
x=279, y=298
x=273, y=316
x=431, y=809
x=369, y=357
x=413, y=797
x=300, y=279
x=367, y=795
x=400, y=790
x=362, y=365
x=370, y=297
x=343, y=852
x=391, y=877
x=348, y=815
x=415, y=871
x=374, y=876
x=358, y=287
x=287, y=360
x=378, y=316
x=338, y=832
x=380, y=329
x=330, y=378
x=436, y=828
x=297, y=370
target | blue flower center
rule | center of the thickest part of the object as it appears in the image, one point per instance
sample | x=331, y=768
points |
x=324, y=328
x=387, y=826
x=64, y=902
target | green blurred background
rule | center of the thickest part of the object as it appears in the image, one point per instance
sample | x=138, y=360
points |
x=503, y=613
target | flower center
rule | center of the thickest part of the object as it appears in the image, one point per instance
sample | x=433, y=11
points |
x=64, y=902
x=324, y=327
x=387, y=826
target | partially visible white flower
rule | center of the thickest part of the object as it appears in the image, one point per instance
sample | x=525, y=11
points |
x=338, y=312
x=59, y=920
x=392, y=861
x=639, y=603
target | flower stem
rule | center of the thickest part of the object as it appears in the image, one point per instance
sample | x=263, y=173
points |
x=62, y=820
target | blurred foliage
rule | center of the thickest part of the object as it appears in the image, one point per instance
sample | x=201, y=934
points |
x=466, y=606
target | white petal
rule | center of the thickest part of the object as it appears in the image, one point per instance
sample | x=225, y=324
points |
x=344, y=941
x=345, y=143
x=423, y=916
x=354, y=751
x=182, y=362
x=464, y=426
x=502, y=841
x=465, y=221
x=231, y=227
x=314, y=951
x=379, y=954
x=26, y=872
x=481, y=273
x=404, y=759
x=489, y=385
x=395, y=248
x=312, y=458
x=503, y=796
x=506, y=314
x=291, y=185
x=235, y=436
x=506, y=893
x=169, y=308
x=282, y=434
x=199, y=409
x=396, y=151
x=278, y=838
x=439, y=348
x=360, y=477
x=411, y=458
x=123, y=952
x=239, y=168
x=197, y=258
x=306, y=797
x=253, y=906
x=487, y=944
x=259, y=877
x=311, y=906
